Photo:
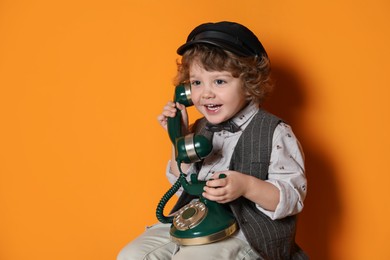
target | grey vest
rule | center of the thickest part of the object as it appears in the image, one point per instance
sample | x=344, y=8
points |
x=271, y=239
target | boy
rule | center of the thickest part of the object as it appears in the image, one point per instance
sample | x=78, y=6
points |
x=229, y=73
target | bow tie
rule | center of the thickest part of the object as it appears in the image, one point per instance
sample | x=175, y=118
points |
x=227, y=125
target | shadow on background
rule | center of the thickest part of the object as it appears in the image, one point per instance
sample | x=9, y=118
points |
x=320, y=219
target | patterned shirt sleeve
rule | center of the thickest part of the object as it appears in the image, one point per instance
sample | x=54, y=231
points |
x=287, y=173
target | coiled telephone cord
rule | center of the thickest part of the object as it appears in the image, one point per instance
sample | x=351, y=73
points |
x=167, y=196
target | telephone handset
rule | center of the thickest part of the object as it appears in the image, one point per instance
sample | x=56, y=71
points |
x=201, y=221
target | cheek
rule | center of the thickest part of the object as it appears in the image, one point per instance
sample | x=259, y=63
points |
x=195, y=97
x=240, y=100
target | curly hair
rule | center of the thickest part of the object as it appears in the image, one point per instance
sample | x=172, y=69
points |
x=254, y=71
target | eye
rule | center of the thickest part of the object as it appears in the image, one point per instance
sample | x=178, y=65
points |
x=195, y=83
x=220, y=82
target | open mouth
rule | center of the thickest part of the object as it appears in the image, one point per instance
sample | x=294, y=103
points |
x=213, y=107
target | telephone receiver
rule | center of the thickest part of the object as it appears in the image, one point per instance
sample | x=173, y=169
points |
x=201, y=221
x=190, y=148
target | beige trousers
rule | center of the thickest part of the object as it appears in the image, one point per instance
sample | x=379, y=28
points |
x=155, y=244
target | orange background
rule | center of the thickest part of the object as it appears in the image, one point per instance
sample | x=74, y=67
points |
x=82, y=158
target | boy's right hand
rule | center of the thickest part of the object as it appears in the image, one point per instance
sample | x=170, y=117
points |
x=170, y=110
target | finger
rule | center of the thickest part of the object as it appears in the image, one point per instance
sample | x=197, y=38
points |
x=218, y=192
x=161, y=118
x=180, y=106
x=219, y=199
x=169, y=113
x=169, y=110
x=217, y=183
x=220, y=175
x=184, y=113
x=170, y=107
x=171, y=103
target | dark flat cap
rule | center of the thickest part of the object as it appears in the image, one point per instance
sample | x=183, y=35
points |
x=229, y=36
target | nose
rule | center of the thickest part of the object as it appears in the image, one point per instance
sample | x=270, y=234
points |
x=208, y=92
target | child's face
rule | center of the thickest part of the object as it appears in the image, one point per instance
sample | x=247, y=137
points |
x=216, y=94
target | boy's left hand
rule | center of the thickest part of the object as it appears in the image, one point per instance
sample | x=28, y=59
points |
x=226, y=189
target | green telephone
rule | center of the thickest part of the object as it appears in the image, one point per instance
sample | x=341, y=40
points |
x=201, y=221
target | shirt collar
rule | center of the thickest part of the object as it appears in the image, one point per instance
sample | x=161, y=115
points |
x=243, y=117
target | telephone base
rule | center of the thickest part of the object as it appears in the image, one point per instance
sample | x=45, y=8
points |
x=206, y=239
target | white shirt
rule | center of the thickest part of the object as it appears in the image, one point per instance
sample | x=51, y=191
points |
x=286, y=170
